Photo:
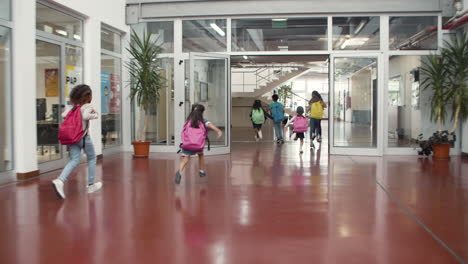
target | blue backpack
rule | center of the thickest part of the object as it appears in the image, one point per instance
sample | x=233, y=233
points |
x=277, y=112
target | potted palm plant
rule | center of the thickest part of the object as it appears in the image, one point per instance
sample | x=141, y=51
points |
x=146, y=81
x=446, y=75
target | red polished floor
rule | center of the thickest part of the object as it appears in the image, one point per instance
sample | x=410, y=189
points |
x=261, y=204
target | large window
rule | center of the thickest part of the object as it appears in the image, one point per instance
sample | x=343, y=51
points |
x=404, y=114
x=413, y=33
x=111, y=88
x=59, y=67
x=160, y=130
x=163, y=33
x=279, y=34
x=5, y=9
x=204, y=35
x=356, y=33
x=55, y=22
x=6, y=147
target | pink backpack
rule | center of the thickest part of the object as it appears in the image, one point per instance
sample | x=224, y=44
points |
x=300, y=124
x=71, y=130
x=194, y=139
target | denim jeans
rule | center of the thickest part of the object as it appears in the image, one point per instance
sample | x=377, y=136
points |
x=278, y=130
x=75, y=153
x=315, y=128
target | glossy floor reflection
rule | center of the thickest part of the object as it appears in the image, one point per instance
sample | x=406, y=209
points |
x=264, y=203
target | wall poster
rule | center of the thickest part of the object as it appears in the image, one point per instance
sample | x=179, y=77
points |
x=51, y=82
x=72, y=78
x=105, y=91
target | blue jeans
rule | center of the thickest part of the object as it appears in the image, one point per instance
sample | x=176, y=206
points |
x=315, y=128
x=278, y=130
x=75, y=153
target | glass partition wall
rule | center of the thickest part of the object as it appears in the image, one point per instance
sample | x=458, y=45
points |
x=59, y=67
x=375, y=72
x=6, y=115
x=111, y=88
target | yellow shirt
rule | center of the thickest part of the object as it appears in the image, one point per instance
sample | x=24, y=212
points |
x=316, y=110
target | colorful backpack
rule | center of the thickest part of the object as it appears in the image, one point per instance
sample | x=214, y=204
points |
x=71, y=130
x=258, y=116
x=300, y=124
x=277, y=112
x=193, y=138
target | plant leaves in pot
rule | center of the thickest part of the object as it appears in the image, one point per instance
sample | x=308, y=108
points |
x=447, y=77
x=146, y=81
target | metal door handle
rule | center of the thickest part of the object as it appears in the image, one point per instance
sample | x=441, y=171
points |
x=181, y=103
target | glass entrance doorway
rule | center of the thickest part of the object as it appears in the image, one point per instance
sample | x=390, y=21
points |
x=209, y=85
x=355, y=104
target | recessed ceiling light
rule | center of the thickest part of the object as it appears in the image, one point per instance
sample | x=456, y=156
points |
x=61, y=32
x=279, y=19
x=218, y=29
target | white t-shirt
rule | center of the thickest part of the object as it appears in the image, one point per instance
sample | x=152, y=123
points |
x=87, y=113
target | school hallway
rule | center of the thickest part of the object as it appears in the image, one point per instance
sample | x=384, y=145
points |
x=264, y=203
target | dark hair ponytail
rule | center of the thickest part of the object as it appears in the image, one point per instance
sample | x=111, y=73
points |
x=196, y=115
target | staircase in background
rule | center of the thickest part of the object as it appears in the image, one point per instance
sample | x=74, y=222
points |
x=258, y=81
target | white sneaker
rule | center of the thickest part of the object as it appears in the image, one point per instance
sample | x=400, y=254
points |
x=58, y=187
x=94, y=187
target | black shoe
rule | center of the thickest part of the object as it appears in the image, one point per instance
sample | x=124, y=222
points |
x=202, y=173
x=178, y=177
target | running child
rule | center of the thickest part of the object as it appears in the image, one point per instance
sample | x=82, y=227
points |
x=277, y=111
x=74, y=132
x=300, y=126
x=194, y=136
x=258, y=117
x=317, y=106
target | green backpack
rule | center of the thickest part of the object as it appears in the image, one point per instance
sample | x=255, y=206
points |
x=258, y=117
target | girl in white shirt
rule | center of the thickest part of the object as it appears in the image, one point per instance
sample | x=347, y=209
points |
x=81, y=95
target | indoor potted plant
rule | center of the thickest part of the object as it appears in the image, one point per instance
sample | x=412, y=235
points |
x=446, y=76
x=145, y=82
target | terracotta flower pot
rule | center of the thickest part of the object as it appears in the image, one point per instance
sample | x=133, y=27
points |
x=441, y=151
x=141, y=149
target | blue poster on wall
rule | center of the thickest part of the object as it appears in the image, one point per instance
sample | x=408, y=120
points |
x=105, y=92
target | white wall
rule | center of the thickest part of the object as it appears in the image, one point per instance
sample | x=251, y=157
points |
x=110, y=12
x=24, y=96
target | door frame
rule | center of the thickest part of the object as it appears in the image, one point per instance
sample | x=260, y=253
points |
x=358, y=151
x=192, y=56
x=58, y=163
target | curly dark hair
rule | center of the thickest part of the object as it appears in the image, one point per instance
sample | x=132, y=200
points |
x=81, y=94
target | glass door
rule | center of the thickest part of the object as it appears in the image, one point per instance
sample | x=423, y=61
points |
x=49, y=101
x=210, y=86
x=59, y=67
x=354, y=106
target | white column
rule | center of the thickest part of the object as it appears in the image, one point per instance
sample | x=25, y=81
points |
x=92, y=74
x=126, y=103
x=24, y=85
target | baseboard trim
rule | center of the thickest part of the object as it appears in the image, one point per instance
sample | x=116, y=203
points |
x=27, y=175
